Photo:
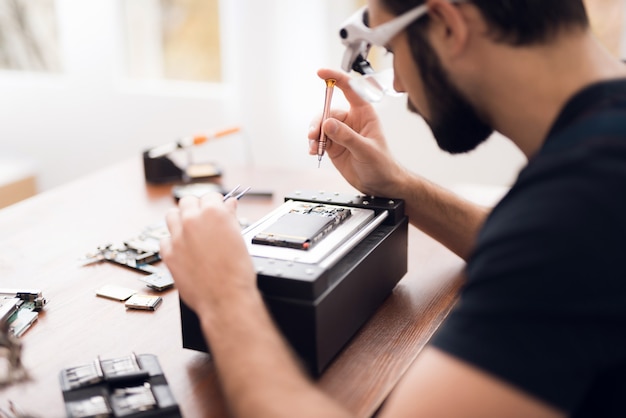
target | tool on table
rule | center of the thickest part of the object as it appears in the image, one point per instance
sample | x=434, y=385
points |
x=238, y=196
x=173, y=162
x=141, y=251
x=200, y=189
x=189, y=141
x=321, y=144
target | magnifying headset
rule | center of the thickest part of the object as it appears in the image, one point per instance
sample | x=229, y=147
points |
x=358, y=38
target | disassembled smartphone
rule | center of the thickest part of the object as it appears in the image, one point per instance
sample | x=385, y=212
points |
x=308, y=232
x=303, y=226
x=139, y=253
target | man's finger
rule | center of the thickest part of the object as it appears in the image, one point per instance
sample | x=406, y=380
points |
x=343, y=83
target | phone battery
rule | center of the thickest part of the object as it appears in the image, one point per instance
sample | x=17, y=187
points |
x=143, y=302
x=159, y=281
x=115, y=292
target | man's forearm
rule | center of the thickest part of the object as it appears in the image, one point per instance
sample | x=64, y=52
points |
x=443, y=215
x=259, y=374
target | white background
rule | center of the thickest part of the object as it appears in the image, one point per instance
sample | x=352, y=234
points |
x=92, y=115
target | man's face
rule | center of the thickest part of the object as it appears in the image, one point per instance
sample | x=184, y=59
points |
x=454, y=121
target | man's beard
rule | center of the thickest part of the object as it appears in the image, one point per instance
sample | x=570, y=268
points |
x=455, y=124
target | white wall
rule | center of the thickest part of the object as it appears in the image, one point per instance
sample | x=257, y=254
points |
x=496, y=162
x=92, y=116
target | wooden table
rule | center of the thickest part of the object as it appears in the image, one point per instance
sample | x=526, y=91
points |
x=42, y=239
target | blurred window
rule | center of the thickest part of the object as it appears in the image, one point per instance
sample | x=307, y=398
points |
x=173, y=39
x=28, y=36
x=180, y=39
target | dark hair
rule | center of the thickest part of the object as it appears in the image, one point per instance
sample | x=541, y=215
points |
x=517, y=22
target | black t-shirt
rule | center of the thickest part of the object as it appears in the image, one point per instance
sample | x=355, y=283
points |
x=544, y=306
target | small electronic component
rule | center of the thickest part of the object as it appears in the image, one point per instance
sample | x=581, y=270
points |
x=22, y=320
x=130, y=386
x=94, y=406
x=159, y=281
x=303, y=226
x=122, y=369
x=115, y=292
x=123, y=255
x=141, y=253
x=27, y=295
x=126, y=401
x=20, y=309
x=143, y=302
x=138, y=253
x=8, y=306
x=84, y=375
x=112, y=370
x=131, y=298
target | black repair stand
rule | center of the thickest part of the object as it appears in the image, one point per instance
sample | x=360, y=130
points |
x=161, y=170
x=318, y=315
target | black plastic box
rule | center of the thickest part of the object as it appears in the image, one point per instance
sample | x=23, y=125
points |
x=320, y=311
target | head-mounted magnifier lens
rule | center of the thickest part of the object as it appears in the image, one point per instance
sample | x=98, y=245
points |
x=358, y=38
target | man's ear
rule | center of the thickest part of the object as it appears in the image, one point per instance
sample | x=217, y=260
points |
x=449, y=31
